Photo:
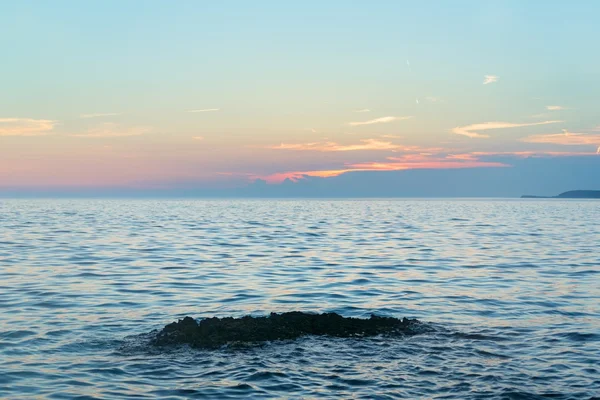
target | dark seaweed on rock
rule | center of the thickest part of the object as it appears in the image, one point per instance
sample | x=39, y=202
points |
x=216, y=332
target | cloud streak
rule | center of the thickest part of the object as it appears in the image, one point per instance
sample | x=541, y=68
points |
x=438, y=159
x=364, y=145
x=555, y=108
x=525, y=154
x=391, y=136
x=382, y=120
x=567, y=139
x=204, y=110
x=405, y=162
x=487, y=79
x=114, y=130
x=25, y=126
x=98, y=115
x=471, y=130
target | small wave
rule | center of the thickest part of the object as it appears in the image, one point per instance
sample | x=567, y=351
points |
x=19, y=334
x=582, y=337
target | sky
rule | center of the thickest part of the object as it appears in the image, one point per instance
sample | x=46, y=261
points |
x=217, y=97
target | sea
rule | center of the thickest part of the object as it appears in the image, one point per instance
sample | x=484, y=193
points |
x=509, y=287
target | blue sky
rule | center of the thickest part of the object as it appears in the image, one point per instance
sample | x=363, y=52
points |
x=132, y=94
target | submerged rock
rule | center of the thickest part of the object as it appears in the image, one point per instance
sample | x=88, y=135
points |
x=216, y=332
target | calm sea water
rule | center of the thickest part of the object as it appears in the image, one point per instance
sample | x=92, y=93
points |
x=512, y=288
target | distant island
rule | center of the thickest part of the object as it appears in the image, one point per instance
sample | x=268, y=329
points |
x=573, y=194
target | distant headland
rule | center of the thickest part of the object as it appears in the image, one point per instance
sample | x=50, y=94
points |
x=573, y=194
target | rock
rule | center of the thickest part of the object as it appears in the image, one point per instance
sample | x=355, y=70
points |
x=216, y=332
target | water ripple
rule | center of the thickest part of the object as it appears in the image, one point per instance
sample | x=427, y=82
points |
x=510, y=291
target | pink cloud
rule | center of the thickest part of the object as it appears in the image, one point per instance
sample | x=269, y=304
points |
x=409, y=161
x=365, y=144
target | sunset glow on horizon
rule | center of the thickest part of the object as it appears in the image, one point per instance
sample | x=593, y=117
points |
x=100, y=95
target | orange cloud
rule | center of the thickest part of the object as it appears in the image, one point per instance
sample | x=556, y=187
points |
x=25, y=126
x=410, y=161
x=420, y=161
x=297, y=175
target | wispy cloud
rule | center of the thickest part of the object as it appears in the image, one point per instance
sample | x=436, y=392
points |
x=567, y=139
x=295, y=176
x=391, y=136
x=405, y=162
x=490, y=79
x=204, y=110
x=362, y=110
x=25, y=126
x=365, y=144
x=114, y=130
x=382, y=120
x=555, y=108
x=198, y=137
x=524, y=154
x=471, y=130
x=97, y=115
x=426, y=162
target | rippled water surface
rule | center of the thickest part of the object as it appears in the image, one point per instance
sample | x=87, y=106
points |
x=511, y=288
